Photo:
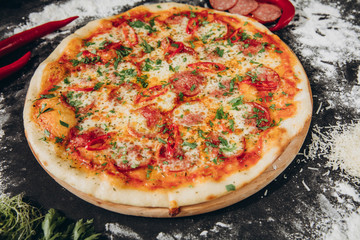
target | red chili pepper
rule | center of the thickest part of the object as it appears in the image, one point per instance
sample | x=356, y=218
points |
x=98, y=143
x=235, y=36
x=18, y=40
x=207, y=67
x=150, y=94
x=15, y=66
x=173, y=142
x=174, y=48
x=288, y=13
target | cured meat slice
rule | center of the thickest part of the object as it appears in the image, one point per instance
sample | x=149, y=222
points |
x=146, y=122
x=187, y=83
x=244, y=7
x=266, y=12
x=263, y=78
x=222, y=5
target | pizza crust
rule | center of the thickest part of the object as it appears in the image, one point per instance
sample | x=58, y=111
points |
x=101, y=189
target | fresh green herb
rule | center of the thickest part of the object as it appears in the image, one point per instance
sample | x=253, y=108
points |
x=54, y=88
x=220, y=113
x=181, y=96
x=278, y=51
x=43, y=109
x=230, y=187
x=258, y=35
x=64, y=124
x=58, y=140
x=190, y=145
x=56, y=226
x=47, y=133
x=237, y=101
x=98, y=85
x=47, y=96
x=142, y=80
x=201, y=132
x=161, y=141
x=219, y=51
x=66, y=81
x=18, y=220
x=147, y=47
x=231, y=122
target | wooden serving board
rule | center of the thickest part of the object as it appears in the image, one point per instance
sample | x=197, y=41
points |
x=274, y=170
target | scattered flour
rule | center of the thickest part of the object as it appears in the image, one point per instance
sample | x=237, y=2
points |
x=339, y=144
x=114, y=230
x=89, y=9
x=328, y=41
x=4, y=116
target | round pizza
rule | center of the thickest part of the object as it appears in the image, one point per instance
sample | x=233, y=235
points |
x=165, y=105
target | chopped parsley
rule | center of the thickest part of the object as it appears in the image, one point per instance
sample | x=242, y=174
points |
x=230, y=187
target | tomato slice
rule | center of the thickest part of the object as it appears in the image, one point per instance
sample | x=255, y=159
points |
x=207, y=67
x=192, y=26
x=130, y=35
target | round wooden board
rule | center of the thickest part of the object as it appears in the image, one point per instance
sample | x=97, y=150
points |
x=274, y=170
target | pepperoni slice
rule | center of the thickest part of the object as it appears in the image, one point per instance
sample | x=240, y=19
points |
x=187, y=83
x=222, y=5
x=170, y=156
x=137, y=153
x=263, y=78
x=82, y=140
x=266, y=12
x=192, y=119
x=148, y=127
x=174, y=19
x=250, y=46
x=260, y=115
x=99, y=143
x=244, y=7
x=152, y=115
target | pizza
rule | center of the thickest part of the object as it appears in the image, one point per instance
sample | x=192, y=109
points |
x=165, y=105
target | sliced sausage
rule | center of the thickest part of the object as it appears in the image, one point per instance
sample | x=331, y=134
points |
x=244, y=7
x=266, y=12
x=187, y=83
x=222, y=5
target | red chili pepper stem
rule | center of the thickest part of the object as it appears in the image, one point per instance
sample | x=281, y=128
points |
x=288, y=13
x=15, y=66
x=20, y=39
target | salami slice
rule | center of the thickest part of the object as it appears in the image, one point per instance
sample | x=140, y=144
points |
x=244, y=7
x=222, y=5
x=266, y=12
x=187, y=83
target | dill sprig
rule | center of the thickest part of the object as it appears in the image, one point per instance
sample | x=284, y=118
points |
x=18, y=220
